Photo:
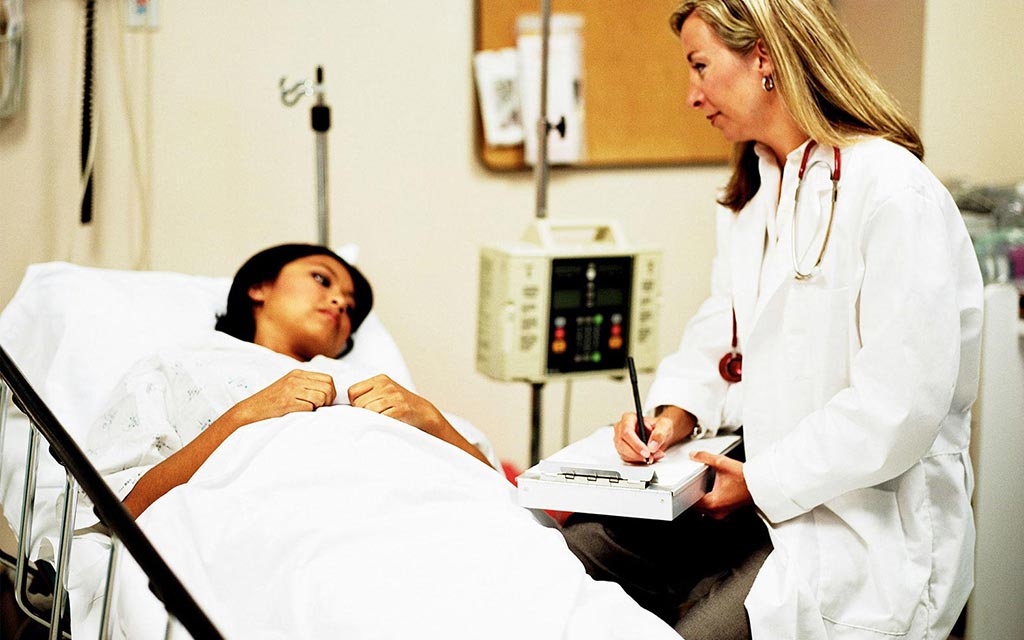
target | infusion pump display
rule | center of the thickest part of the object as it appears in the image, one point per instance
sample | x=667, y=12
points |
x=588, y=324
x=546, y=314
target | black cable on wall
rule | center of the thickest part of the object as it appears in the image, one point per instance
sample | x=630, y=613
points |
x=87, y=100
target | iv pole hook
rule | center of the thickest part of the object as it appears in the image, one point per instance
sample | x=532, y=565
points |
x=291, y=95
x=320, y=119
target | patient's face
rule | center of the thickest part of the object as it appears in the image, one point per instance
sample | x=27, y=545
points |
x=304, y=312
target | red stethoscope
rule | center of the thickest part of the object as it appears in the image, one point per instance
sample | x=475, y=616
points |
x=731, y=365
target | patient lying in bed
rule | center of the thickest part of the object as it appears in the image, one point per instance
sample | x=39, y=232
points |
x=359, y=513
x=298, y=306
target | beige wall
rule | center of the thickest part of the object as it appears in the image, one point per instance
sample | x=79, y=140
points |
x=896, y=61
x=226, y=169
x=972, y=115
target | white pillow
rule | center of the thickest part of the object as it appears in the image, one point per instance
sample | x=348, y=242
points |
x=74, y=331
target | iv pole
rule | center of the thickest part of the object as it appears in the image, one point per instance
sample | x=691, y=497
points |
x=541, y=176
x=540, y=170
x=320, y=119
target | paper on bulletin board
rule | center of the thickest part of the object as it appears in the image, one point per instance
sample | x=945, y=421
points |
x=497, y=83
x=564, y=88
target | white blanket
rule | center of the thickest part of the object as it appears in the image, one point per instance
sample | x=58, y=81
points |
x=347, y=524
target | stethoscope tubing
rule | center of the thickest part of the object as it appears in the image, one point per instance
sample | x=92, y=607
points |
x=834, y=177
x=730, y=367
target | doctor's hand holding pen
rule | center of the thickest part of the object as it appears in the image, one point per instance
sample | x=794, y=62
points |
x=646, y=442
x=670, y=426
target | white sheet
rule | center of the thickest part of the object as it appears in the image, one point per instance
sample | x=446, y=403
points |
x=368, y=528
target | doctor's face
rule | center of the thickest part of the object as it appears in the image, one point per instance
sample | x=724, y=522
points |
x=724, y=85
x=303, y=312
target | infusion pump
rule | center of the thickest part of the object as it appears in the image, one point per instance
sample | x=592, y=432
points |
x=573, y=298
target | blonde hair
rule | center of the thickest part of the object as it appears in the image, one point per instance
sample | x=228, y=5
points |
x=823, y=81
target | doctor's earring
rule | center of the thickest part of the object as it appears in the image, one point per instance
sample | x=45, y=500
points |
x=768, y=84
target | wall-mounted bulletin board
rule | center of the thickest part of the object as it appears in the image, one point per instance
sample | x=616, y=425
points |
x=634, y=85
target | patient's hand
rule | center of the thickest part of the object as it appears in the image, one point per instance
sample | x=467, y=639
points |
x=297, y=391
x=383, y=395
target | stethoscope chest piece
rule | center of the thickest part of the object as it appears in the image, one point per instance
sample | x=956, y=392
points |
x=731, y=367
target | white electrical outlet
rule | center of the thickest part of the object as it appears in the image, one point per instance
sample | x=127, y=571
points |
x=141, y=14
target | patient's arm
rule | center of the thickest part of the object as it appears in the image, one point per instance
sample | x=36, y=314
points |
x=383, y=395
x=296, y=391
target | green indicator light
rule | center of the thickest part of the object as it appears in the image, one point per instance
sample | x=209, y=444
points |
x=598, y=319
x=596, y=356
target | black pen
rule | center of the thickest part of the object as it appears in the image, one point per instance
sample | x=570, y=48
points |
x=641, y=428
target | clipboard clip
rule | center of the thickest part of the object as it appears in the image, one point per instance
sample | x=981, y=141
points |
x=606, y=477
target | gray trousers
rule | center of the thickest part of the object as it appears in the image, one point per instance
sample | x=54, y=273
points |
x=693, y=573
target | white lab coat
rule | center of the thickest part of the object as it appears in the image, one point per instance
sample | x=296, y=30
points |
x=856, y=394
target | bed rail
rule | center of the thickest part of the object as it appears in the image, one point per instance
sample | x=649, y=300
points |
x=162, y=582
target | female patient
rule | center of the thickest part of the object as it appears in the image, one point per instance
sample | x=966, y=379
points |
x=291, y=313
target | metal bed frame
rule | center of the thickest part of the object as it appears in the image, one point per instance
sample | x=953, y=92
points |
x=177, y=601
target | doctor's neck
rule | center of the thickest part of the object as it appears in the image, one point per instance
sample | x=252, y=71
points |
x=782, y=137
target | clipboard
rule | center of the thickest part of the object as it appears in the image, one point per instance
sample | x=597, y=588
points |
x=588, y=476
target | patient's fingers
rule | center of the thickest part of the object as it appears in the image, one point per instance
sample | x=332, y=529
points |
x=313, y=387
x=360, y=389
x=383, y=395
x=370, y=393
x=296, y=391
x=375, y=403
x=378, y=386
x=316, y=397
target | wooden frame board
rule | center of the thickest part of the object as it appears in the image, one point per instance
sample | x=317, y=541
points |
x=634, y=85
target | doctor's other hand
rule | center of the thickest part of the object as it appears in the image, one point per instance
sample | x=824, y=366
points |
x=730, y=490
x=383, y=395
x=671, y=425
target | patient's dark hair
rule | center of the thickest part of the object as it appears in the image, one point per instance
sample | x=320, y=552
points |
x=238, y=320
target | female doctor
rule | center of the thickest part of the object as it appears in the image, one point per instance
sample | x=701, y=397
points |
x=842, y=332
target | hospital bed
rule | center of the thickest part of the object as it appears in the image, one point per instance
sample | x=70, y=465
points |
x=69, y=334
